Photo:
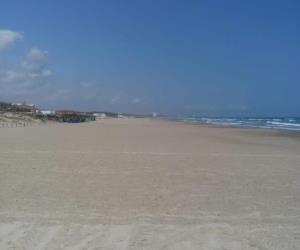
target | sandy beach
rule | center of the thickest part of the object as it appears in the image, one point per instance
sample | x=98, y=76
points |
x=148, y=184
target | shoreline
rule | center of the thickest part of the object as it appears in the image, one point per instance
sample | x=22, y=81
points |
x=288, y=132
x=281, y=123
x=272, y=131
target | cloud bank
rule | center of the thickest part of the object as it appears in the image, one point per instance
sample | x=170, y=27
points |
x=26, y=75
x=29, y=78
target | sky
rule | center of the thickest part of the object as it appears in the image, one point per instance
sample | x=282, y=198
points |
x=210, y=58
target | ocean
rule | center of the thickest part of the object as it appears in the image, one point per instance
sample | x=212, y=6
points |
x=286, y=123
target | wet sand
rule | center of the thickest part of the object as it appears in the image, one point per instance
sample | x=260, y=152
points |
x=148, y=184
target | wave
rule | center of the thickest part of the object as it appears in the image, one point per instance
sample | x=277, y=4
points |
x=286, y=123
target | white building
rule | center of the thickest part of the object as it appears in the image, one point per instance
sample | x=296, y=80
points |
x=47, y=112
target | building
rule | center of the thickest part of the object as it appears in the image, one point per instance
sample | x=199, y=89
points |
x=71, y=116
x=18, y=107
x=47, y=112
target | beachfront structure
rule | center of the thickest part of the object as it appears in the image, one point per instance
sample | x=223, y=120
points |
x=47, y=112
x=18, y=107
x=71, y=116
x=100, y=115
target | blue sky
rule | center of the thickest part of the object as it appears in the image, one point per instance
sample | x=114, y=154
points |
x=212, y=57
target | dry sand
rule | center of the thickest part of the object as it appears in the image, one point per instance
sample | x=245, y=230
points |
x=148, y=184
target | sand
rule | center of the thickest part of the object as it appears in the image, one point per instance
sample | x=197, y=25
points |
x=148, y=184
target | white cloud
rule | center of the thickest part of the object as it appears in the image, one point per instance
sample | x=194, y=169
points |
x=116, y=99
x=36, y=63
x=87, y=84
x=11, y=76
x=26, y=76
x=136, y=100
x=8, y=38
x=124, y=99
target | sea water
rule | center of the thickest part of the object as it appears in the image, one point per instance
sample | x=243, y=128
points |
x=287, y=123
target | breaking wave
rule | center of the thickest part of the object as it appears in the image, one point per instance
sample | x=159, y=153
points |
x=287, y=123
